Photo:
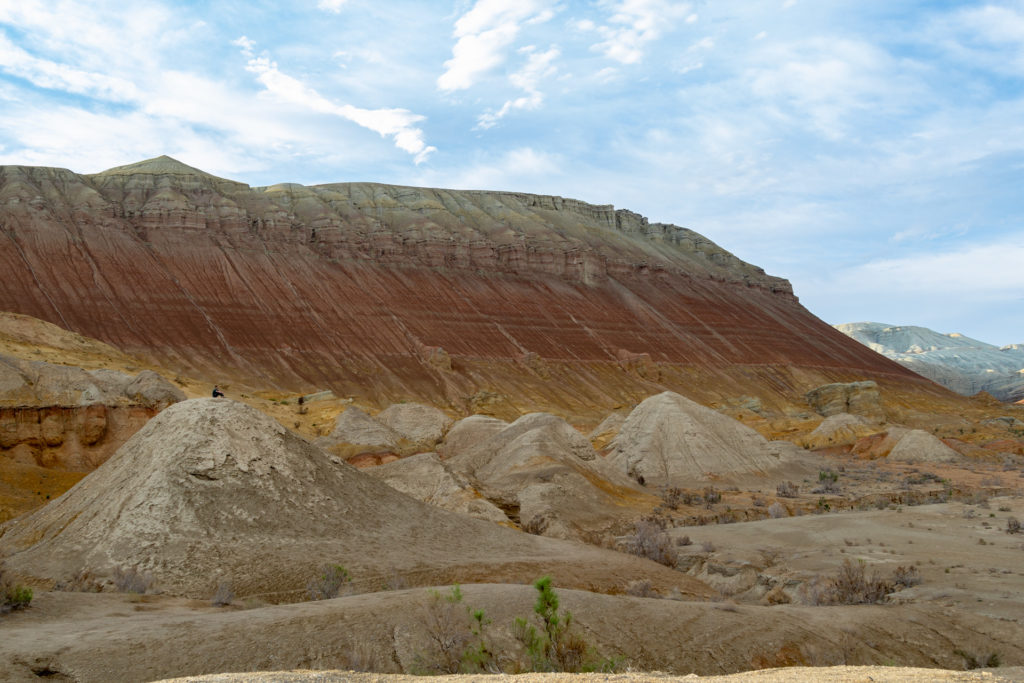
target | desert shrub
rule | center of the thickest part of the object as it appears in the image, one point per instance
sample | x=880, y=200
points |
x=455, y=636
x=707, y=546
x=447, y=628
x=395, y=582
x=905, y=577
x=776, y=510
x=787, y=489
x=828, y=482
x=360, y=657
x=1012, y=525
x=82, y=582
x=672, y=497
x=131, y=580
x=976, y=662
x=13, y=596
x=223, y=596
x=479, y=658
x=650, y=540
x=536, y=525
x=556, y=647
x=850, y=586
x=328, y=583
x=684, y=540
x=641, y=588
x=711, y=496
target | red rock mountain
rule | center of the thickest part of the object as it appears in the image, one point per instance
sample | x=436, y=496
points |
x=459, y=298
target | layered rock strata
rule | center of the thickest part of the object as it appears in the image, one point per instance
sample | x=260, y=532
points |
x=464, y=299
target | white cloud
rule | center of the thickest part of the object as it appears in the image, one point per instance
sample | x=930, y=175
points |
x=980, y=271
x=395, y=123
x=44, y=73
x=538, y=66
x=636, y=23
x=522, y=169
x=484, y=34
x=331, y=5
x=824, y=80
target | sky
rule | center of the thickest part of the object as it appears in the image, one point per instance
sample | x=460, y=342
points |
x=870, y=151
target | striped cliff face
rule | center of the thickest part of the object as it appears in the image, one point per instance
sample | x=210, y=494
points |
x=454, y=297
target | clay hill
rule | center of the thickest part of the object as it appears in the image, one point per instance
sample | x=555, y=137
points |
x=211, y=490
x=959, y=363
x=479, y=301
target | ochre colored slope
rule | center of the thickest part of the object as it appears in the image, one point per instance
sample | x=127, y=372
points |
x=387, y=292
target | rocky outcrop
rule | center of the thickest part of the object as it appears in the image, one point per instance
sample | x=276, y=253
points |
x=669, y=440
x=856, y=398
x=841, y=429
x=64, y=417
x=964, y=365
x=386, y=293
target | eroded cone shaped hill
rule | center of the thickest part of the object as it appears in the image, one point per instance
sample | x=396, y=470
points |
x=669, y=440
x=211, y=490
x=507, y=301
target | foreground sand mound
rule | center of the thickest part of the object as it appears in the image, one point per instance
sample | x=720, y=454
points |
x=387, y=632
x=425, y=477
x=547, y=476
x=919, y=446
x=670, y=440
x=213, y=490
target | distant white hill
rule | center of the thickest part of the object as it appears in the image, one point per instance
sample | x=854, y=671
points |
x=960, y=363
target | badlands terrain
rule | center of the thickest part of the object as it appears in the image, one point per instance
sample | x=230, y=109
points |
x=960, y=363
x=434, y=388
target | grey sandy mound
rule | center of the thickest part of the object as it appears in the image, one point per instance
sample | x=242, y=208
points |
x=547, y=476
x=416, y=422
x=841, y=429
x=356, y=427
x=425, y=477
x=212, y=490
x=918, y=445
x=670, y=440
x=468, y=432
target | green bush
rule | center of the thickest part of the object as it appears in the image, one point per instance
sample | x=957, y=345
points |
x=555, y=647
x=13, y=596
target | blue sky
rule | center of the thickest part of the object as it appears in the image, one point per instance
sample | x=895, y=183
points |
x=871, y=151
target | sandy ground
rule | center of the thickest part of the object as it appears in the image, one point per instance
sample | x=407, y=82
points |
x=835, y=674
